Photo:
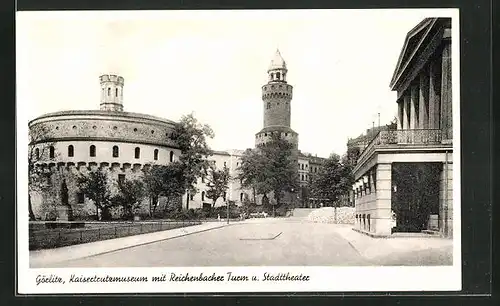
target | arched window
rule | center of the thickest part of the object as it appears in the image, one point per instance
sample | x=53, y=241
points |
x=272, y=76
x=71, y=151
x=171, y=156
x=278, y=75
x=137, y=152
x=109, y=91
x=156, y=154
x=37, y=153
x=203, y=195
x=92, y=151
x=116, y=92
x=268, y=105
x=115, y=151
x=51, y=152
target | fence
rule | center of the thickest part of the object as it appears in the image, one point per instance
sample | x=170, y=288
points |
x=59, y=237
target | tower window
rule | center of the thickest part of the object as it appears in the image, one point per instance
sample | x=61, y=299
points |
x=137, y=152
x=224, y=164
x=51, y=152
x=224, y=196
x=116, y=92
x=278, y=75
x=203, y=195
x=115, y=151
x=272, y=76
x=241, y=197
x=37, y=153
x=171, y=156
x=268, y=105
x=71, y=151
x=156, y=154
x=109, y=91
x=92, y=151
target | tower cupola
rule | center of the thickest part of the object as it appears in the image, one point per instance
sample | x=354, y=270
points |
x=111, y=92
x=277, y=69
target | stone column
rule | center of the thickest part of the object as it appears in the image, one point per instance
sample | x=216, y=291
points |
x=414, y=107
x=400, y=115
x=435, y=95
x=446, y=100
x=382, y=217
x=424, y=100
x=406, y=110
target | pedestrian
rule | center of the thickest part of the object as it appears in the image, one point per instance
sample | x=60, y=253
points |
x=218, y=217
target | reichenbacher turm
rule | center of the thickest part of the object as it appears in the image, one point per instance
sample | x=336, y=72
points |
x=277, y=97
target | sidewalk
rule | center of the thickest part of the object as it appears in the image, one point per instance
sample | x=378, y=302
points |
x=376, y=248
x=39, y=258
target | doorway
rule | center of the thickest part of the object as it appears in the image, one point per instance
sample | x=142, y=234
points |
x=415, y=195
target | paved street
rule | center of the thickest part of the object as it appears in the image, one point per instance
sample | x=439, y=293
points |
x=266, y=242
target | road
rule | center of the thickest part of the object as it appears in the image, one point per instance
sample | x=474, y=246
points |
x=263, y=242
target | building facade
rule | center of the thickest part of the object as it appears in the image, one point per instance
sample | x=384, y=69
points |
x=404, y=177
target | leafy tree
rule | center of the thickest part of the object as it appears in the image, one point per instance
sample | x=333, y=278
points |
x=217, y=183
x=190, y=135
x=130, y=193
x=95, y=187
x=38, y=150
x=271, y=167
x=164, y=181
x=248, y=170
x=333, y=180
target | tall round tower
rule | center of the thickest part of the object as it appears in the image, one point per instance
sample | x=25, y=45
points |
x=111, y=92
x=277, y=97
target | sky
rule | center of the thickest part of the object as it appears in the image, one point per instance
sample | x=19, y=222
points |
x=213, y=63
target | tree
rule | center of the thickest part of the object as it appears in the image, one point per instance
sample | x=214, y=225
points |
x=217, y=183
x=271, y=167
x=95, y=187
x=38, y=150
x=164, y=181
x=130, y=193
x=190, y=136
x=333, y=180
x=249, y=170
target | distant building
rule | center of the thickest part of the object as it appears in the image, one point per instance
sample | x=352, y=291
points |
x=404, y=177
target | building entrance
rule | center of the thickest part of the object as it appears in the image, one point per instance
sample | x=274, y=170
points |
x=415, y=195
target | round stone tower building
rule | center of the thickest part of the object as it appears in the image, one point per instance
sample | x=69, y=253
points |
x=277, y=97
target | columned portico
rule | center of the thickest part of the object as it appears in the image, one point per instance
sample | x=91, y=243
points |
x=424, y=100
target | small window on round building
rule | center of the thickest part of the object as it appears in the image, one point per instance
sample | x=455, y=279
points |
x=71, y=151
x=171, y=156
x=57, y=127
x=51, y=152
x=137, y=152
x=94, y=127
x=92, y=151
x=115, y=151
x=152, y=132
x=135, y=129
x=115, y=128
x=156, y=154
x=74, y=127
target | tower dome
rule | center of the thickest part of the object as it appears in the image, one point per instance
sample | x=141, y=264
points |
x=277, y=62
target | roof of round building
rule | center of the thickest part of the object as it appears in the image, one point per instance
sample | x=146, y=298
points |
x=277, y=62
x=101, y=113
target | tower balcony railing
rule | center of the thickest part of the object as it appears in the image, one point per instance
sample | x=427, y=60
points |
x=402, y=137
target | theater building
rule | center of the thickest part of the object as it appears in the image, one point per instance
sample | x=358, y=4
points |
x=404, y=177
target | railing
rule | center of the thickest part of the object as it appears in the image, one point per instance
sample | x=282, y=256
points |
x=420, y=136
x=97, y=231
